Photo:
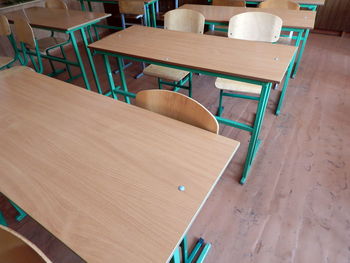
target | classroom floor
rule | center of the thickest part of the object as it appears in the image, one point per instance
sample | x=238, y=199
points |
x=295, y=205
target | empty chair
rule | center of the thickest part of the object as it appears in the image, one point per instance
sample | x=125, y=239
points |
x=179, y=20
x=17, y=249
x=254, y=26
x=177, y=106
x=33, y=47
x=284, y=4
x=5, y=31
x=238, y=3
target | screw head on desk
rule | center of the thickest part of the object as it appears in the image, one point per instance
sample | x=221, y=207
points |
x=181, y=188
x=275, y=59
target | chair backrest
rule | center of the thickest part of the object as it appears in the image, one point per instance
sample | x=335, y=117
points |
x=283, y=4
x=56, y=4
x=177, y=106
x=5, y=29
x=255, y=26
x=24, y=32
x=15, y=248
x=238, y=3
x=131, y=7
x=184, y=20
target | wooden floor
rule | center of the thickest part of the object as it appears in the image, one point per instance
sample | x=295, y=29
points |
x=295, y=206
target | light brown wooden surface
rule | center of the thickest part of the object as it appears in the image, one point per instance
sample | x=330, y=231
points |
x=229, y=3
x=255, y=26
x=295, y=206
x=184, y=21
x=5, y=29
x=24, y=32
x=177, y=106
x=165, y=73
x=253, y=60
x=131, y=7
x=283, y=4
x=308, y=2
x=14, y=248
x=105, y=183
x=57, y=4
x=59, y=19
x=290, y=18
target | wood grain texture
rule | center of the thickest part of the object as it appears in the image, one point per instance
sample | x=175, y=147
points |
x=334, y=15
x=5, y=29
x=56, y=4
x=177, y=106
x=24, y=32
x=184, y=21
x=308, y=2
x=131, y=7
x=59, y=19
x=282, y=4
x=17, y=249
x=233, y=57
x=229, y=3
x=102, y=175
x=290, y=18
x=295, y=206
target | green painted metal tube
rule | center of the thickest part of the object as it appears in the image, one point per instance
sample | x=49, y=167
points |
x=2, y=220
x=110, y=76
x=241, y=96
x=122, y=78
x=235, y=124
x=176, y=256
x=21, y=213
x=91, y=61
x=184, y=248
x=195, y=250
x=301, y=51
x=204, y=253
x=80, y=61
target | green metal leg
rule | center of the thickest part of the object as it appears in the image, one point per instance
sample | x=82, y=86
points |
x=67, y=65
x=301, y=51
x=176, y=256
x=196, y=252
x=204, y=253
x=2, y=220
x=159, y=83
x=221, y=108
x=154, y=16
x=21, y=213
x=110, y=77
x=82, y=5
x=264, y=97
x=51, y=64
x=287, y=77
x=91, y=61
x=122, y=78
x=190, y=85
x=79, y=60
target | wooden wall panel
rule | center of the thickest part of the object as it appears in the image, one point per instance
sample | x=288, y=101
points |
x=334, y=16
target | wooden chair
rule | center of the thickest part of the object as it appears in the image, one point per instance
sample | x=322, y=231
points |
x=177, y=106
x=56, y=4
x=253, y=26
x=5, y=31
x=180, y=20
x=282, y=4
x=238, y=3
x=15, y=248
x=30, y=46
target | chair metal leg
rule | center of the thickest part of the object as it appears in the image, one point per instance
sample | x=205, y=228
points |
x=190, y=85
x=220, y=108
x=200, y=250
x=21, y=213
x=2, y=220
x=122, y=79
x=176, y=256
x=301, y=51
x=159, y=83
x=67, y=65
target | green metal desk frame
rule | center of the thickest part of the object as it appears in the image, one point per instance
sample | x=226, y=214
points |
x=200, y=251
x=262, y=101
x=150, y=15
x=79, y=62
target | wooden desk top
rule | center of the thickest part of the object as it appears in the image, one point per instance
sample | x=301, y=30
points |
x=102, y=175
x=248, y=59
x=290, y=18
x=306, y=2
x=58, y=19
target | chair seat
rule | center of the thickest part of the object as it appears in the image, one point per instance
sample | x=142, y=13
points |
x=216, y=33
x=232, y=85
x=165, y=72
x=5, y=60
x=49, y=42
x=285, y=40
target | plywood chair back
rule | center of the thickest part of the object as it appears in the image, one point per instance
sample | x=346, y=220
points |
x=15, y=248
x=283, y=4
x=237, y=3
x=131, y=7
x=177, y=106
x=255, y=26
x=24, y=32
x=184, y=20
x=5, y=29
x=56, y=4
